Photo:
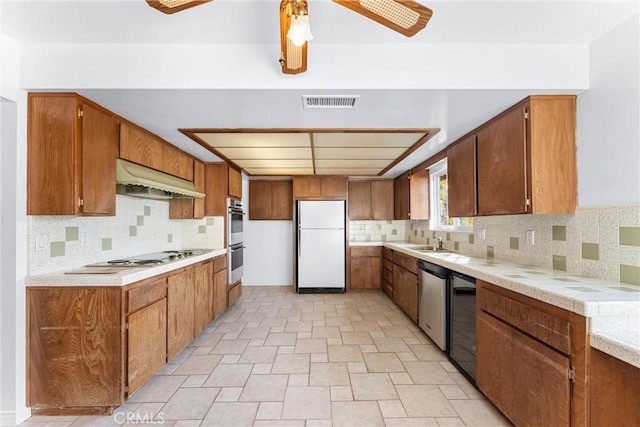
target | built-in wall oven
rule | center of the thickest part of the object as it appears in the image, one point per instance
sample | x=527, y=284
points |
x=235, y=239
x=462, y=324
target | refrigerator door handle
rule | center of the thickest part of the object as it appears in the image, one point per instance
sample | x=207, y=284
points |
x=299, y=243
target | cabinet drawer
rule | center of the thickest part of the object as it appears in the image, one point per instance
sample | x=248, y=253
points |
x=234, y=293
x=365, y=251
x=145, y=293
x=405, y=261
x=387, y=253
x=387, y=274
x=388, y=265
x=532, y=320
x=219, y=263
x=387, y=288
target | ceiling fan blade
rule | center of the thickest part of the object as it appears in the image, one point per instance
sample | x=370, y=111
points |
x=173, y=6
x=404, y=16
x=293, y=59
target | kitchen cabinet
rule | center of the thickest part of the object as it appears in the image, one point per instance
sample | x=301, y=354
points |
x=186, y=208
x=517, y=338
x=146, y=325
x=320, y=187
x=140, y=146
x=72, y=146
x=461, y=179
x=526, y=158
x=234, y=291
x=203, y=296
x=365, y=263
x=219, y=285
x=387, y=271
x=411, y=195
x=614, y=387
x=235, y=183
x=221, y=182
x=270, y=200
x=405, y=284
x=180, y=311
x=371, y=199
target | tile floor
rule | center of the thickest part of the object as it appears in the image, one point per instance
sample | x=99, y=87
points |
x=277, y=358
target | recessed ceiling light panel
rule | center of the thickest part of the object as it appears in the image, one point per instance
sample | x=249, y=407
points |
x=330, y=101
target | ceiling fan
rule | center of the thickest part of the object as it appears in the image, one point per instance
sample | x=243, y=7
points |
x=404, y=16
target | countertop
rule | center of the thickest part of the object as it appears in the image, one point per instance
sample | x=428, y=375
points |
x=612, y=307
x=121, y=276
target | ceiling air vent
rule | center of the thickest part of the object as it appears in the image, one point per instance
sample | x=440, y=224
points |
x=330, y=101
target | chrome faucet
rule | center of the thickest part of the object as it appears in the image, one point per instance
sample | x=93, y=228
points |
x=441, y=245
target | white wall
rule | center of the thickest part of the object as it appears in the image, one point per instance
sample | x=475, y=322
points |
x=268, y=258
x=608, y=121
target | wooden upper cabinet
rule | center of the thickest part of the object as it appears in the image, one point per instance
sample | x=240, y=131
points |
x=270, y=200
x=461, y=171
x=186, y=208
x=359, y=200
x=411, y=195
x=235, y=183
x=220, y=182
x=371, y=199
x=72, y=146
x=526, y=158
x=144, y=148
x=320, y=187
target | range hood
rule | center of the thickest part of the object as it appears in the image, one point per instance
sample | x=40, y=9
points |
x=140, y=181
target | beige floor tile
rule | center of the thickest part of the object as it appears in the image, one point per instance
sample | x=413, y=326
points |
x=286, y=349
x=377, y=386
x=400, y=378
x=450, y=422
x=279, y=423
x=291, y=364
x=264, y=388
x=95, y=421
x=341, y=393
x=345, y=353
x=311, y=316
x=391, y=345
x=479, y=413
x=311, y=345
x=352, y=414
x=407, y=357
x=195, y=381
x=334, y=341
x=168, y=369
x=182, y=355
x=304, y=335
x=424, y=401
x=366, y=326
x=397, y=331
x=319, y=358
x=202, y=350
x=307, y=403
x=189, y=404
x=229, y=375
x=356, y=367
x=230, y=358
x=452, y=391
x=298, y=380
x=262, y=368
x=368, y=348
x=207, y=340
x=356, y=338
x=428, y=373
x=226, y=327
x=383, y=362
x=411, y=422
x=227, y=414
x=325, y=332
x=448, y=366
x=183, y=423
x=293, y=326
x=258, y=355
x=327, y=374
x=281, y=338
x=391, y=408
x=269, y=411
x=159, y=389
x=230, y=347
x=274, y=322
x=199, y=364
x=255, y=332
x=466, y=386
x=229, y=394
x=428, y=353
x=318, y=423
x=338, y=321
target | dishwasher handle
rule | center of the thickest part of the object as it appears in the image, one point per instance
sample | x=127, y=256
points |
x=433, y=269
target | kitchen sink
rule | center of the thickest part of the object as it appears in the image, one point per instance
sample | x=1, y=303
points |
x=427, y=249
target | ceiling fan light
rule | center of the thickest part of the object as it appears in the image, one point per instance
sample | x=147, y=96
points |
x=299, y=32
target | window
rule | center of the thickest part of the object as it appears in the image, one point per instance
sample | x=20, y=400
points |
x=440, y=219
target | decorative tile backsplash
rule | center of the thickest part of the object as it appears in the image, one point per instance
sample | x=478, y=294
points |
x=377, y=231
x=602, y=242
x=140, y=226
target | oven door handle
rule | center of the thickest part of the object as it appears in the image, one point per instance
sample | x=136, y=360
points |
x=236, y=212
x=236, y=249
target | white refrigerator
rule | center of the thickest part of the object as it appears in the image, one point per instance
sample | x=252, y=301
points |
x=321, y=246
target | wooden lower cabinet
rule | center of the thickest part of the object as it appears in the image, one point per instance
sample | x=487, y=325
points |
x=405, y=291
x=180, y=313
x=203, y=296
x=219, y=286
x=233, y=293
x=365, y=263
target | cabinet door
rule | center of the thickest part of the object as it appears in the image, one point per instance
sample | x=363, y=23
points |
x=307, y=186
x=501, y=151
x=282, y=200
x=219, y=292
x=180, y=305
x=364, y=273
x=146, y=344
x=235, y=183
x=260, y=200
x=335, y=187
x=405, y=291
x=419, y=195
x=359, y=200
x=525, y=379
x=401, y=196
x=198, y=182
x=203, y=294
x=216, y=179
x=382, y=199
x=461, y=168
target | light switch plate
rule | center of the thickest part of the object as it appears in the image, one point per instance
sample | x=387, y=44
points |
x=41, y=242
x=482, y=233
x=531, y=237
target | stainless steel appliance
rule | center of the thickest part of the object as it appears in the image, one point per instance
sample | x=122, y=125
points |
x=321, y=246
x=155, y=258
x=235, y=239
x=432, y=296
x=462, y=321
x=235, y=218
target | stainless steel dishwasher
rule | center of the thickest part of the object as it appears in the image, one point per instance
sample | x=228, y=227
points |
x=432, y=296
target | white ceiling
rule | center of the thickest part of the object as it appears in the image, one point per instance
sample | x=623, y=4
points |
x=258, y=102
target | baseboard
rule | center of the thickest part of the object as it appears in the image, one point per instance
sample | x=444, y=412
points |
x=13, y=418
